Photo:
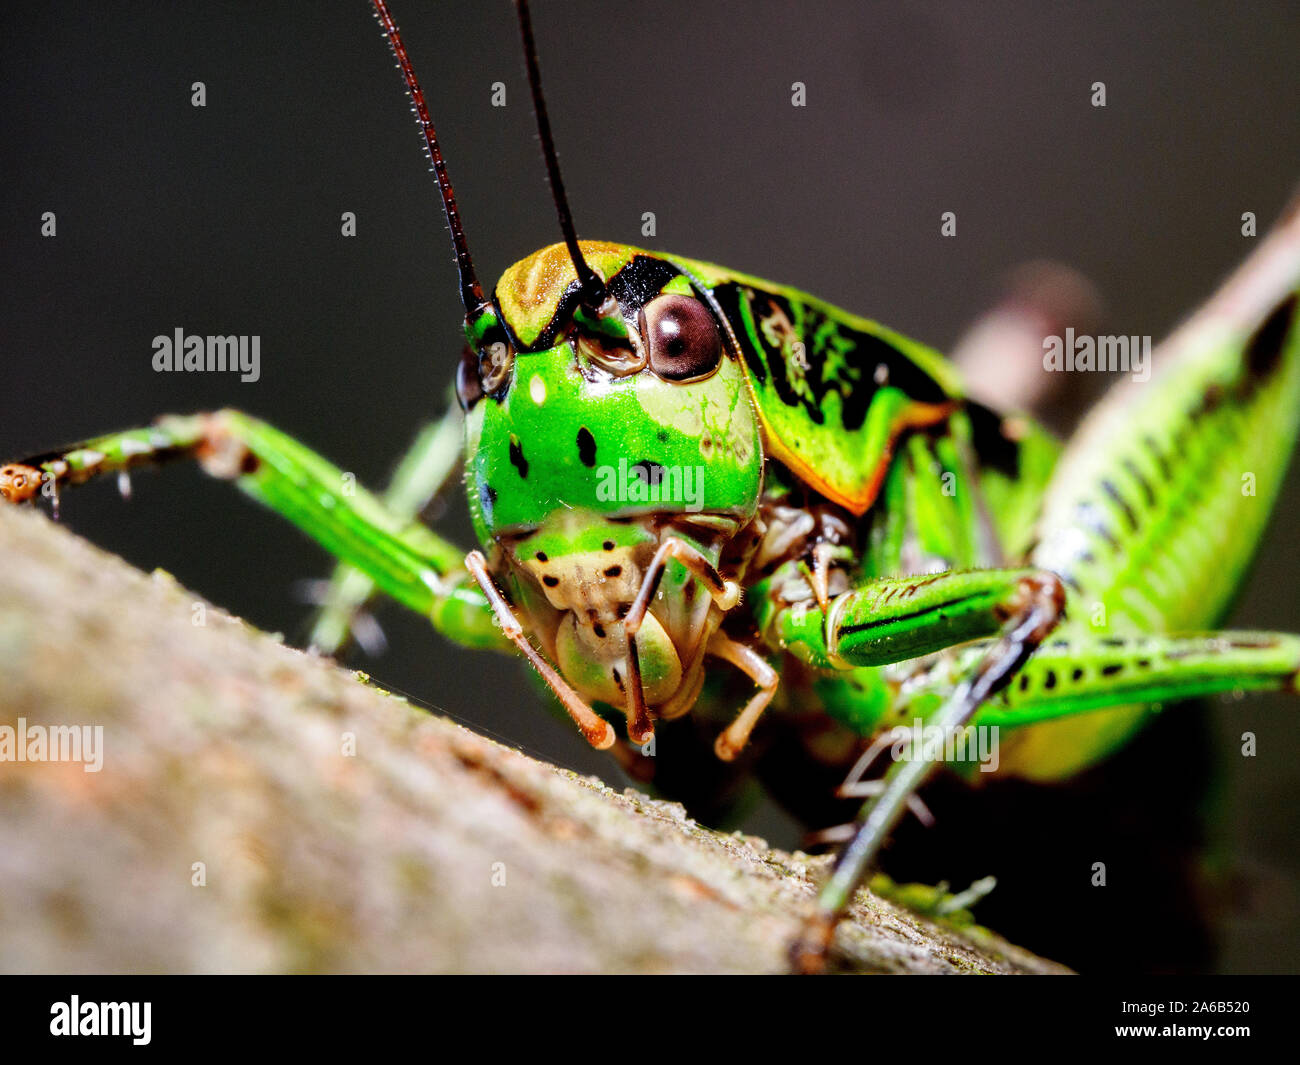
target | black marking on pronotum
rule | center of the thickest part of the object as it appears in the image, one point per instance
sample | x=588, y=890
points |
x=728, y=299
x=862, y=353
x=1264, y=350
x=586, y=447
x=517, y=459
x=1109, y=488
x=1111, y=669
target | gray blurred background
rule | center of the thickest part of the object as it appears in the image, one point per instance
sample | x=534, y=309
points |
x=225, y=219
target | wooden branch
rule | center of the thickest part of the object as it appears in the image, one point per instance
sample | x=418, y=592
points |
x=260, y=809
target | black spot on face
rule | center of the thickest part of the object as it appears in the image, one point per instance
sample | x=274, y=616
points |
x=517, y=459
x=613, y=571
x=586, y=447
x=541, y=556
x=608, y=545
x=551, y=582
x=650, y=473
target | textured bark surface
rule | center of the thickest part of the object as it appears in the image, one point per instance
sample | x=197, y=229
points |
x=428, y=849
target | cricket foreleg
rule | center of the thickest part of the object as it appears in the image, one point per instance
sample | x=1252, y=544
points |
x=403, y=558
x=1031, y=611
x=896, y=619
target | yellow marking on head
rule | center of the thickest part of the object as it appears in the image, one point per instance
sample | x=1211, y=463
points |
x=529, y=291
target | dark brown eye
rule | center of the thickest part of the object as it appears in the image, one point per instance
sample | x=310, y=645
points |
x=469, y=388
x=681, y=336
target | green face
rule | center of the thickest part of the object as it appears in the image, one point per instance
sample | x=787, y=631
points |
x=592, y=434
x=638, y=409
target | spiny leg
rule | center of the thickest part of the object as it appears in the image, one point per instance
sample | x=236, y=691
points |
x=1159, y=502
x=867, y=626
x=423, y=471
x=1079, y=673
x=403, y=558
x=895, y=619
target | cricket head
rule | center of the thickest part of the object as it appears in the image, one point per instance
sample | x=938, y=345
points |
x=594, y=437
x=613, y=456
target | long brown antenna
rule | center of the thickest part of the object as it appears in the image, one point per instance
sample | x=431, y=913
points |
x=593, y=289
x=471, y=293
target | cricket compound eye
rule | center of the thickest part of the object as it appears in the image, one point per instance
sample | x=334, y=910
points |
x=469, y=387
x=681, y=337
x=483, y=373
